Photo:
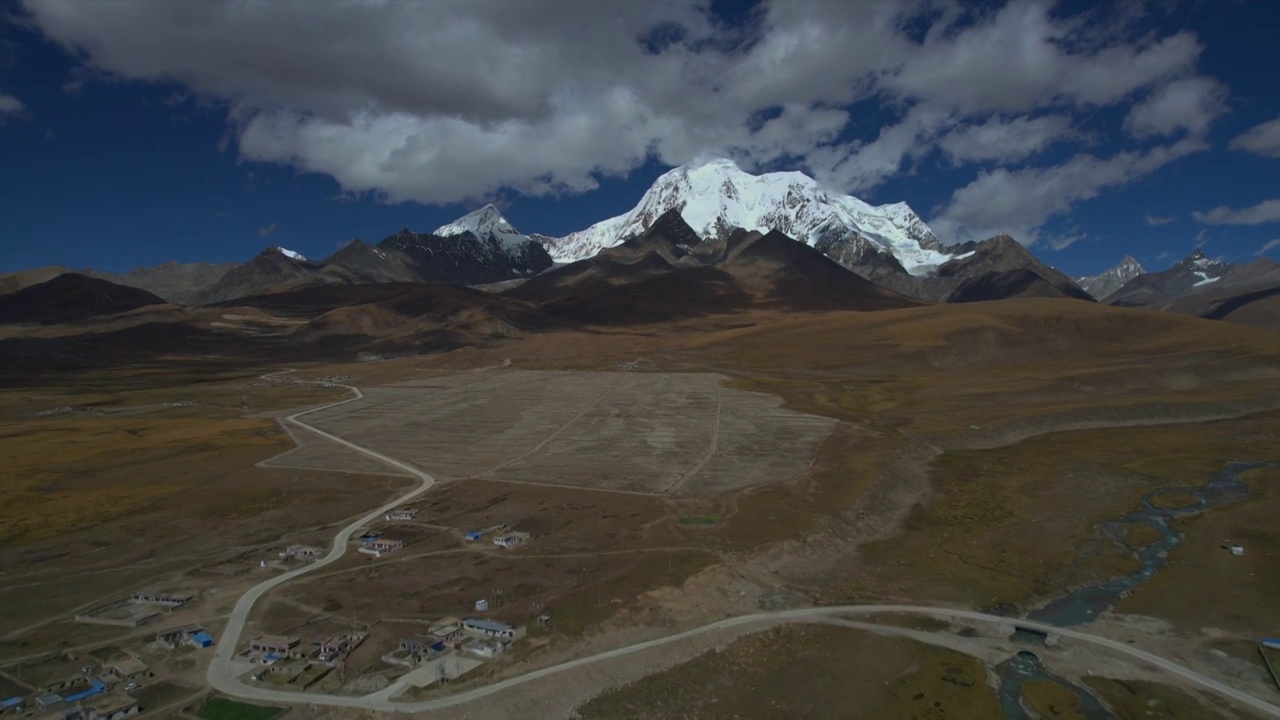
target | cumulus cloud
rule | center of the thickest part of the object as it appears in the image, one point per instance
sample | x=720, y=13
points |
x=1263, y=139
x=1005, y=140
x=1021, y=202
x=266, y=230
x=1190, y=104
x=1158, y=220
x=449, y=102
x=1267, y=211
x=1018, y=61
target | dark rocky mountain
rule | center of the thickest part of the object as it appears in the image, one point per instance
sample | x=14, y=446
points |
x=175, y=282
x=465, y=258
x=477, y=249
x=1151, y=289
x=71, y=297
x=1200, y=286
x=272, y=270
x=664, y=273
x=994, y=269
x=15, y=281
x=1112, y=279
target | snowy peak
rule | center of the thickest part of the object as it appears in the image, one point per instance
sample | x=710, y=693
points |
x=1111, y=280
x=290, y=254
x=485, y=223
x=717, y=196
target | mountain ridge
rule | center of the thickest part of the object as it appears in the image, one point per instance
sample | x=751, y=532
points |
x=716, y=197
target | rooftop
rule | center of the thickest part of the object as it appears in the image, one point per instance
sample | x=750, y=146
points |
x=483, y=624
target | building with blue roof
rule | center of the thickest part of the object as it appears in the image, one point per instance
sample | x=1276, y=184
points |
x=96, y=686
x=12, y=703
x=202, y=639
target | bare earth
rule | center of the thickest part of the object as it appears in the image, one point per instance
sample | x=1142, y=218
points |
x=635, y=432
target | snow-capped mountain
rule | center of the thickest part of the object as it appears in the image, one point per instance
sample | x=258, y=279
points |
x=1112, y=279
x=485, y=223
x=716, y=197
x=290, y=254
x=1188, y=274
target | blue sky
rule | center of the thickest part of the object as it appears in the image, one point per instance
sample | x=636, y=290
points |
x=132, y=133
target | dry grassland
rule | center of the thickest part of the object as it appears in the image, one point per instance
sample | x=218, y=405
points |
x=95, y=504
x=1006, y=526
x=1142, y=699
x=1203, y=585
x=592, y=556
x=809, y=672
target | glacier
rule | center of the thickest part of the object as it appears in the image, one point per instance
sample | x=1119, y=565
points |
x=717, y=196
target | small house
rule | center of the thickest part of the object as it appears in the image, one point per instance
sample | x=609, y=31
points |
x=511, y=539
x=492, y=629
x=201, y=639
x=175, y=636
x=127, y=669
x=421, y=646
x=381, y=546
x=273, y=644
x=447, y=629
x=160, y=597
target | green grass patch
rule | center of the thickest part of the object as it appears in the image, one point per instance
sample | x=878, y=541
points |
x=224, y=709
x=700, y=520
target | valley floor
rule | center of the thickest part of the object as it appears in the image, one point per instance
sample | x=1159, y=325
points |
x=972, y=460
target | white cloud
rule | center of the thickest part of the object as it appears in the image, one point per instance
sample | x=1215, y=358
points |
x=1269, y=246
x=267, y=229
x=1018, y=61
x=855, y=167
x=1158, y=220
x=1006, y=140
x=10, y=106
x=446, y=102
x=1267, y=211
x=1190, y=104
x=1020, y=202
x=1263, y=139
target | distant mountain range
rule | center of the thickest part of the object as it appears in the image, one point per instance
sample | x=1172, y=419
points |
x=71, y=297
x=718, y=207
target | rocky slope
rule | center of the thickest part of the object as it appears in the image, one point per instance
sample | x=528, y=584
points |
x=1200, y=286
x=660, y=275
x=478, y=248
x=1187, y=275
x=1111, y=279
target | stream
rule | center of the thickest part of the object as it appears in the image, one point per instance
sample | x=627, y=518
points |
x=1087, y=603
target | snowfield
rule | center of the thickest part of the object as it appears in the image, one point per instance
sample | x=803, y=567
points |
x=717, y=196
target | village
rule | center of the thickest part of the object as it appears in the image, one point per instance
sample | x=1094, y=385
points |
x=124, y=679
x=446, y=647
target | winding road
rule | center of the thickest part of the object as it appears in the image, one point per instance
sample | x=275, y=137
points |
x=221, y=677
